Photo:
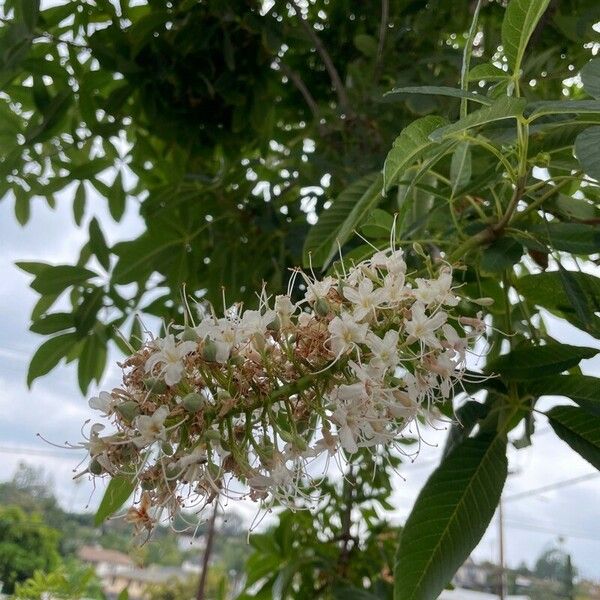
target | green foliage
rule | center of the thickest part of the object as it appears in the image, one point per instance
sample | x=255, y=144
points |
x=68, y=582
x=450, y=516
x=232, y=141
x=116, y=494
x=26, y=546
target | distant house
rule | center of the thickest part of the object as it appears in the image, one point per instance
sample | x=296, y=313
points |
x=105, y=562
x=118, y=571
x=460, y=594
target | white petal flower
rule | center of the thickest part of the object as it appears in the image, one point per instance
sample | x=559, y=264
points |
x=170, y=354
x=345, y=333
x=385, y=351
x=365, y=299
x=436, y=291
x=421, y=327
x=151, y=428
x=103, y=402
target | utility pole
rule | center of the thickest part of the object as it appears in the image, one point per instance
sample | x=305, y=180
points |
x=502, y=594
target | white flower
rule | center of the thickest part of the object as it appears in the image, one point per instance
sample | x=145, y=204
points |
x=394, y=290
x=348, y=430
x=170, y=354
x=318, y=289
x=151, y=428
x=345, y=333
x=423, y=328
x=103, y=402
x=254, y=322
x=191, y=464
x=285, y=308
x=391, y=260
x=365, y=298
x=436, y=291
x=385, y=351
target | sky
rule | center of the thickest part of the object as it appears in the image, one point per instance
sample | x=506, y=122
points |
x=55, y=408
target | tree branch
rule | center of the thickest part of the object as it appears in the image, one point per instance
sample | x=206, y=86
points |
x=383, y=25
x=301, y=87
x=207, y=552
x=343, y=100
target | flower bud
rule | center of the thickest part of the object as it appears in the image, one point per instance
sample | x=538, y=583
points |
x=155, y=385
x=483, y=301
x=128, y=410
x=189, y=334
x=212, y=435
x=193, y=402
x=167, y=448
x=95, y=467
x=209, y=351
x=322, y=307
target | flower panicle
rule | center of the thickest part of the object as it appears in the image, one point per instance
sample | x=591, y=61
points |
x=246, y=404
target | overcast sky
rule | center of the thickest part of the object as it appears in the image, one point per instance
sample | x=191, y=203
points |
x=55, y=408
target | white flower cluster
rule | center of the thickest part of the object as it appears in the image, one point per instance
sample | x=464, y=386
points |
x=252, y=398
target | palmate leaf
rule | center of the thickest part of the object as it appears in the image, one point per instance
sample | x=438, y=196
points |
x=579, y=429
x=582, y=389
x=519, y=23
x=504, y=108
x=49, y=354
x=529, y=362
x=434, y=90
x=450, y=516
x=54, y=279
x=408, y=147
x=336, y=224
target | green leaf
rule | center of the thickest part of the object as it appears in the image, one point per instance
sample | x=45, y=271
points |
x=29, y=12
x=367, y=44
x=466, y=417
x=487, y=72
x=578, y=299
x=117, y=198
x=433, y=90
x=582, y=389
x=579, y=429
x=48, y=355
x=336, y=224
x=590, y=77
x=504, y=108
x=31, y=267
x=22, y=205
x=37, y=132
x=92, y=362
x=53, y=280
x=501, y=254
x=79, y=203
x=460, y=167
x=86, y=313
x=117, y=492
x=52, y=323
x=529, y=362
x=98, y=244
x=586, y=150
x=408, y=147
x=576, y=238
x=519, y=23
x=561, y=107
x=450, y=516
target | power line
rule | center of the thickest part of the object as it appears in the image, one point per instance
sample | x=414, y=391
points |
x=540, y=529
x=552, y=486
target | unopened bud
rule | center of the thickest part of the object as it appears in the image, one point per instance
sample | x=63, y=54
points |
x=128, y=410
x=483, y=301
x=209, y=351
x=167, y=448
x=95, y=467
x=212, y=435
x=155, y=385
x=189, y=334
x=419, y=249
x=193, y=402
x=322, y=307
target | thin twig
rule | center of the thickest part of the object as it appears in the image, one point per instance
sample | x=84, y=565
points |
x=207, y=552
x=301, y=86
x=326, y=58
x=383, y=25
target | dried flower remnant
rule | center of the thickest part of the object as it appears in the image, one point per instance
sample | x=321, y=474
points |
x=251, y=398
